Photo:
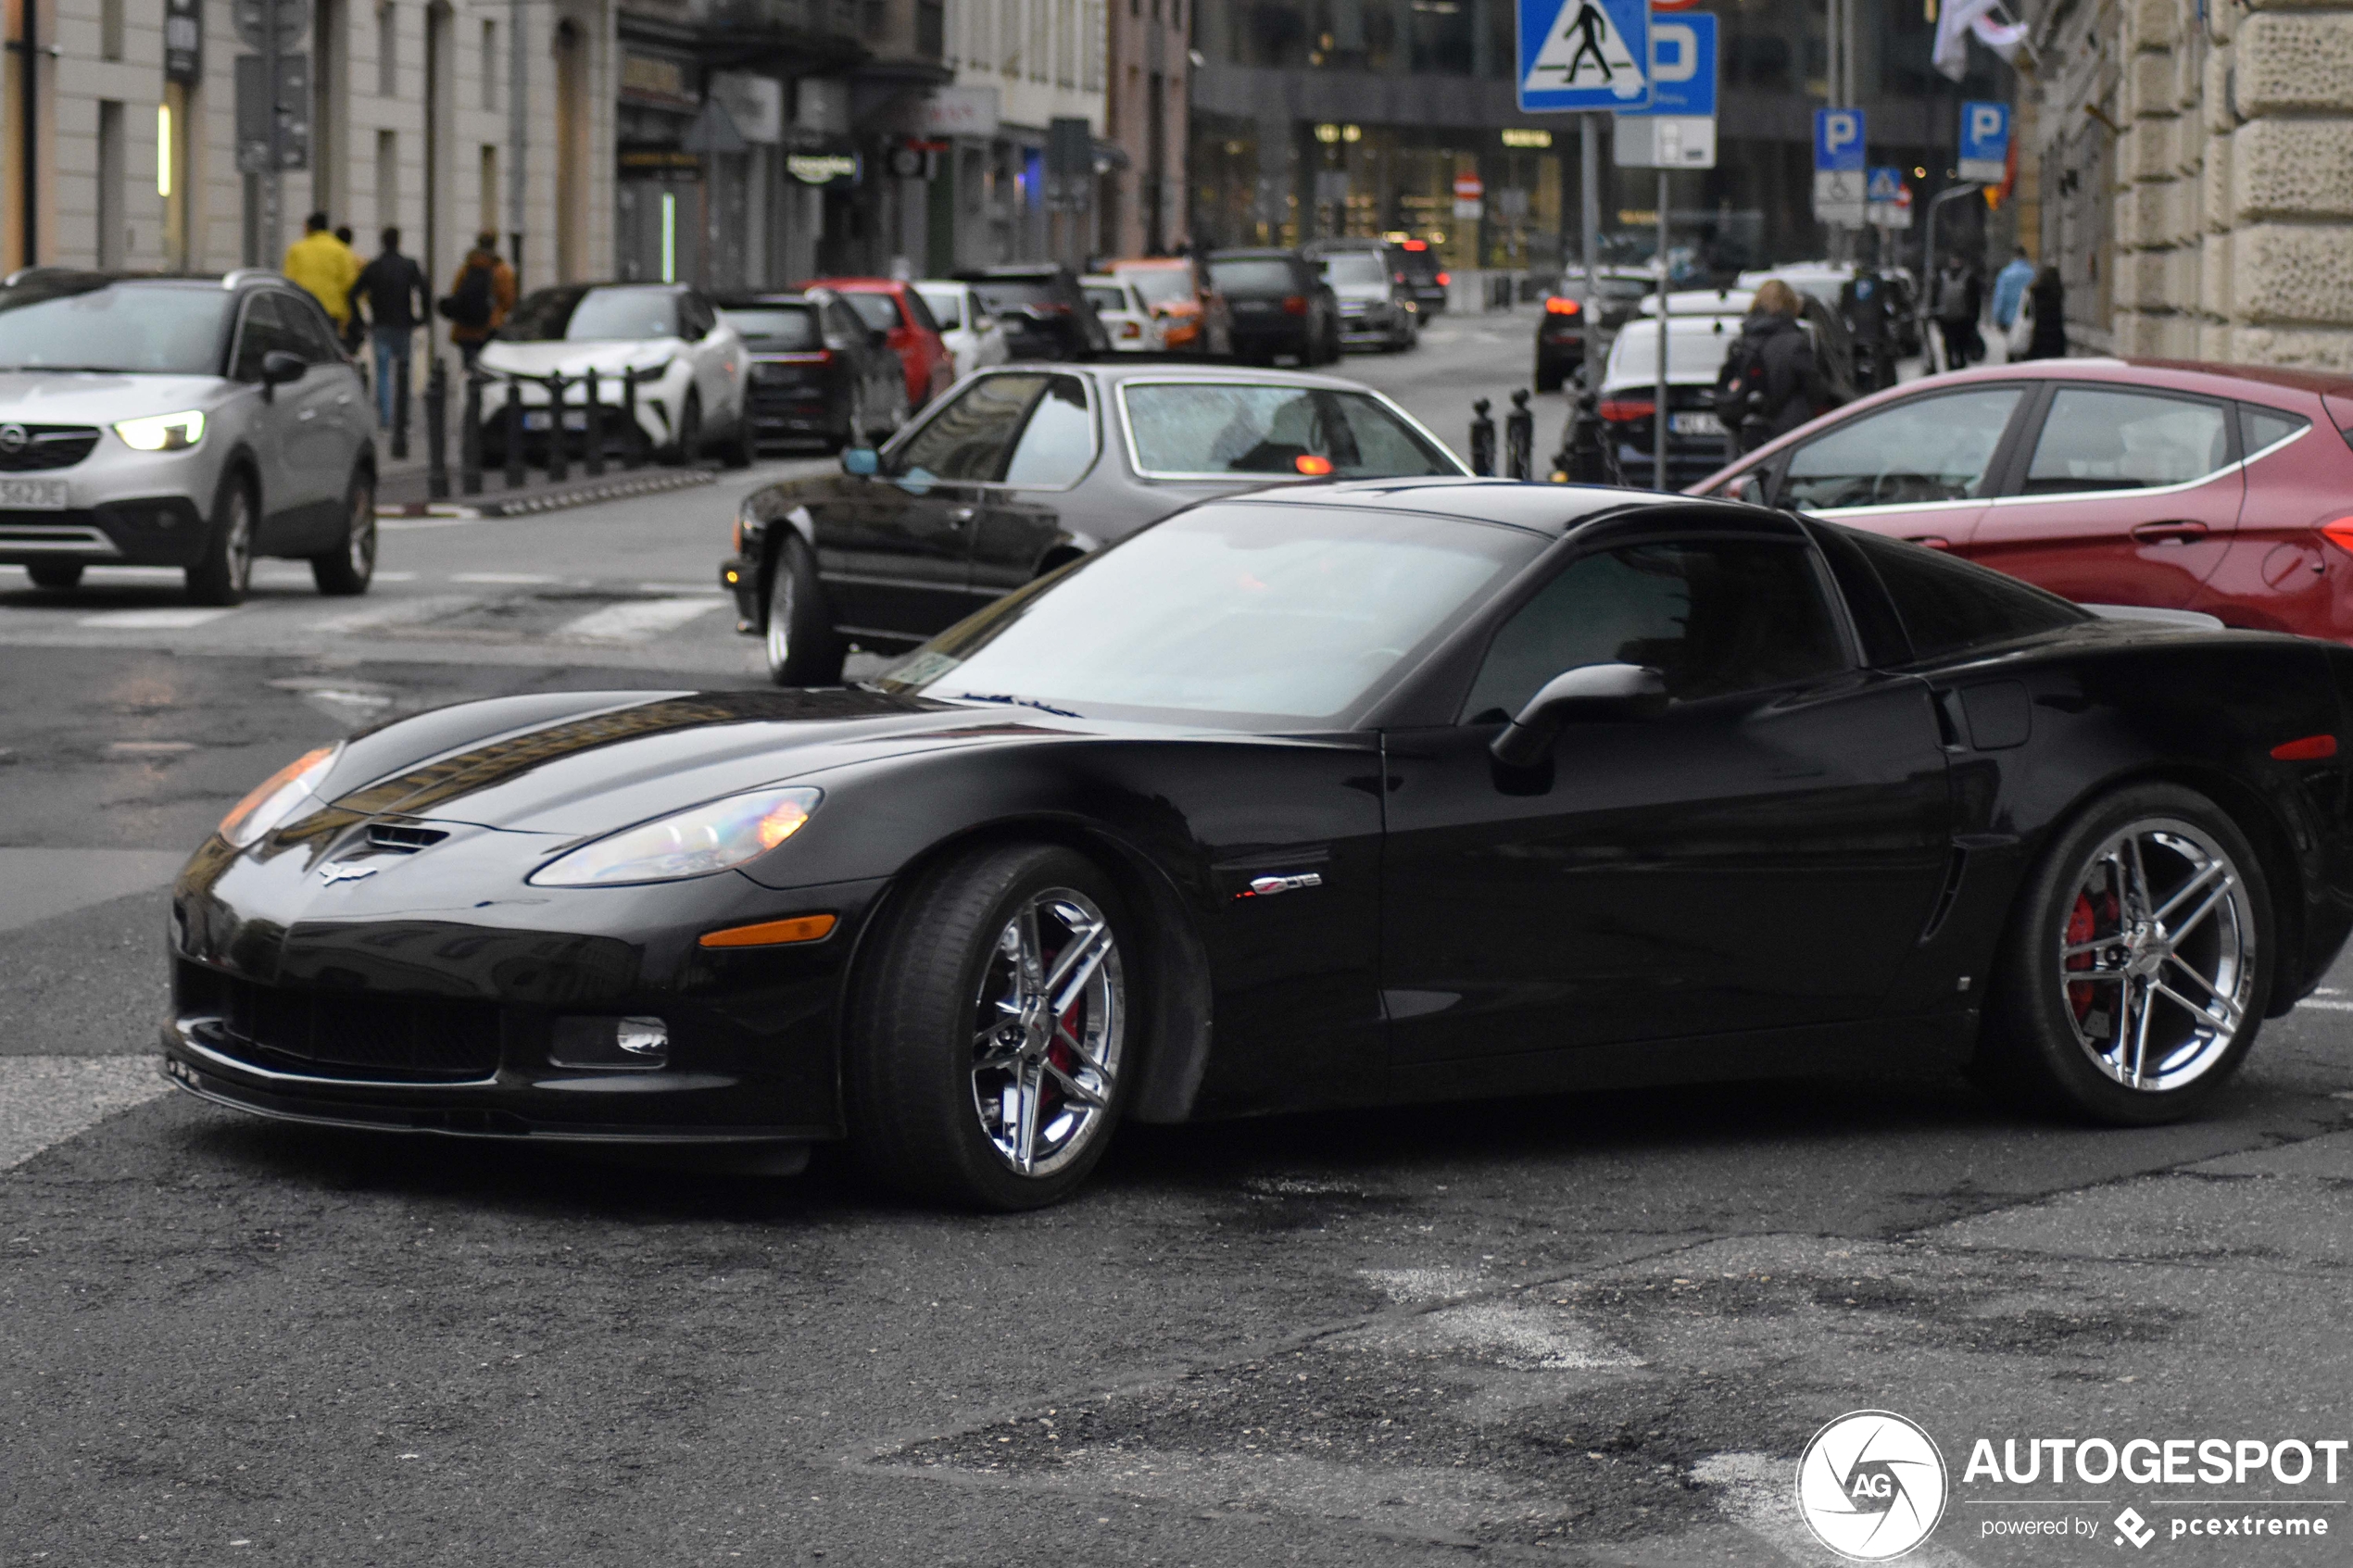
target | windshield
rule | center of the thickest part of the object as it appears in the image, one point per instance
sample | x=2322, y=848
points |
x=879, y=311
x=1222, y=428
x=1420, y=264
x=1235, y=613
x=1000, y=295
x=1258, y=275
x=86, y=324
x=1106, y=296
x=947, y=306
x=1161, y=285
x=1355, y=267
x=608, y=315
x=777, y=326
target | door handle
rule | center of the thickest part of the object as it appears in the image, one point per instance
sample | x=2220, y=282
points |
x=2179, y=531
x=306, y=414
x=1929, y=541
x=960, y=515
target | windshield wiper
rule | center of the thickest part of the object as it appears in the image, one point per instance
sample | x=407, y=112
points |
x=1011, y=701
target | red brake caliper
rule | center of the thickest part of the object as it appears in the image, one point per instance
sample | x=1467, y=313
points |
x=2080, y=923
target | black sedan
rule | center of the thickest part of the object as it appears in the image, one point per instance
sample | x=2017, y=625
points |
x=1021, y=471
x=1342, y=795
x=1044, y=313
x=1281, y=305
x=818, y=371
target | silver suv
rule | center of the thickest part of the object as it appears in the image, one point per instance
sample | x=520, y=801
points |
x=195, y=422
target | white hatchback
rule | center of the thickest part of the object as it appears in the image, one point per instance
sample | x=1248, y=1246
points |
x=1132, y=325
x=975, y=338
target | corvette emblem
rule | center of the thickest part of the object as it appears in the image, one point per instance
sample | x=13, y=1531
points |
x=1267, y=886
x=345, y=871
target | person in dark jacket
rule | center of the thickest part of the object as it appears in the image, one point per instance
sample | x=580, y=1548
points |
x=2046, y=297
x=1957, y=303
x=1783, y=377
x=393, y=289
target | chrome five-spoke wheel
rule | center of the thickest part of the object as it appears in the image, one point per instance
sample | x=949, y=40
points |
x=1047, y=1041
x=2157, y=954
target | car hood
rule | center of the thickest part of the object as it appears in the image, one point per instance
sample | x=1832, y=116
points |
x=98, y=397
x=571, y=358
x=611, y=767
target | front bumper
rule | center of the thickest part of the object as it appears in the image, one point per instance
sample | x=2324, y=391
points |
x=150, y=531
x=740, y=577
x=657, y=403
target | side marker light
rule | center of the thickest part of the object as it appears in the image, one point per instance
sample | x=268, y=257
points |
x=2310, y=748
x=772, y=932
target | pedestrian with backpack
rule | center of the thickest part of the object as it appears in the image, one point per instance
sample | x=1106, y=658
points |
x=479, y=297
x=1773, y=379
x=1959, y=303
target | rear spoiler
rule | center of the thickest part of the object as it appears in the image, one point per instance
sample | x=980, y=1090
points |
x=2187, y=619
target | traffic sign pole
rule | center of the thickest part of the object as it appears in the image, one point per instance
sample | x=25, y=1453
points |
x=1659, y=416
x=270, y=186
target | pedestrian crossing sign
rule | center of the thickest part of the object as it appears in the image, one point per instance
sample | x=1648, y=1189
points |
x=1885, y=186
x=1584, y=55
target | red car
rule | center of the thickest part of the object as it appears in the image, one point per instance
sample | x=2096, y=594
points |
x=2222, y=488
x=896, y=311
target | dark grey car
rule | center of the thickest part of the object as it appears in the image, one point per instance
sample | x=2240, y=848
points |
x=1021, y=469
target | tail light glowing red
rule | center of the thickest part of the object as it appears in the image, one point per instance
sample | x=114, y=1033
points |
x=1559, y=307
x=1295, y=305
x=1618, y=410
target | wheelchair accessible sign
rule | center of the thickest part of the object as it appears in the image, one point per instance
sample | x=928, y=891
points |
x=1584, y=55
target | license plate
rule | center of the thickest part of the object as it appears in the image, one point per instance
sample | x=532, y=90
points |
x=34, y=494
x=1694, y=424
x=574, y=419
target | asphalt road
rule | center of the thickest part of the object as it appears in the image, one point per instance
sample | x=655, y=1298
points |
x=1585, y=1329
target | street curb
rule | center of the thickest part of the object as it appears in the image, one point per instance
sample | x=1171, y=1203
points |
x=482, y=507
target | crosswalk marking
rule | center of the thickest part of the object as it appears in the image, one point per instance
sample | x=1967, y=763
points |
x=46, y=1099
x=638, y=620
x=174, y=619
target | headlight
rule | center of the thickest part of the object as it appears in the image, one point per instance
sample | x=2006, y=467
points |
x=706, y=838
x=163, y=432
x=278, y=796
x=655, y=372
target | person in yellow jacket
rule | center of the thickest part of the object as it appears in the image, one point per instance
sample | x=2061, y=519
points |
x=326, y=266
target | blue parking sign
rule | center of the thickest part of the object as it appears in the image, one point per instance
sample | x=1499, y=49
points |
x=1985, y=141
x=1838, y=141
x=1584, y=55
x=1683, y=66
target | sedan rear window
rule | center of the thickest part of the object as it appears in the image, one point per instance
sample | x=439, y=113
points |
x=608, y=315
x=1215, y=427
x=49, y=324
x=1354, y=267
x=1000, y=295
x=1269, y=274
x=1106, y=296
x=879, y=311
x=777, y=326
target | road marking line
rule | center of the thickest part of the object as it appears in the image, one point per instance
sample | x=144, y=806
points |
x=150, y=748
x=152, y=620
x=635, y=621
x=2324, y=1007
x=46, y=1099
x=523, y=578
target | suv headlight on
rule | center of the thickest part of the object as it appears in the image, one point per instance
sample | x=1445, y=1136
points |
x=163, y=432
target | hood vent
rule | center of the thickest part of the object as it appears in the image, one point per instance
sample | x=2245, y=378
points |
x=398, y=840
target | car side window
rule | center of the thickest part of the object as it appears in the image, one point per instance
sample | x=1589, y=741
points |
x=2260, y=429
x=946, y=313
x=307, y=327
x=1932, y=448
x=1714, y=617
x=263, y=332
x=1950, y=606
x=2095, y=439
x=919, y=311
x=969, y=438
x=1058, y=443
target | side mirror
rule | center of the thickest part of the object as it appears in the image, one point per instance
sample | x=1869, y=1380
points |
x=1591, y=693
x=861, y=463
x=279, y=367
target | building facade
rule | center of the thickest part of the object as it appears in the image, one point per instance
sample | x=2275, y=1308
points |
x=1145, y=102
x=2199, y=176
x=1020, y=66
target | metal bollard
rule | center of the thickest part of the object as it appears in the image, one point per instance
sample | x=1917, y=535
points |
x=1519, y=437
x=593, y=418
x=469, y=435
x=513, y=417
x=436, y=430
x=633, y=435
x=1588, y=456
x=1482, y=440
x=400, y=408
x=559, y=439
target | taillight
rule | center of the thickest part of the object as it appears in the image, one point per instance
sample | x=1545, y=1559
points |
x=1295, y=305
x=1444, y=278
x=2340, y=534
x=1618, y=410
x=1559, y=307
x=1397, y=277
x=1129, y=328
x=2312, y=749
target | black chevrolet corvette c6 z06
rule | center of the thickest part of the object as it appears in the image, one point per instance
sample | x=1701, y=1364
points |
x=1364, y=793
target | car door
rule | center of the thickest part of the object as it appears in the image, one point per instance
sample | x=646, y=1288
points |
x=1764, y=854
x=1920, y=468
x=2128, y=495
x=895, y=553
x=333, y=422
x=718, y=358
x=264, y=330
x=1023, y=516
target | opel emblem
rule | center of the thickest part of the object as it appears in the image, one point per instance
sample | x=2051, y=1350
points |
x=13, y=439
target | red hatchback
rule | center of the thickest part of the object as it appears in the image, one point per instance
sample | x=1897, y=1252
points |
x=2220, y=488
x=896, y=311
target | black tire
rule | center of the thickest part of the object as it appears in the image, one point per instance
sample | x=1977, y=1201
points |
x=58, y=574
x=854, y=425
x=351, y=566
x=913, y=1077
x=803, y=649
x=688, y=446
x=2042, y=1038
x=226, y=571
x=735, y=451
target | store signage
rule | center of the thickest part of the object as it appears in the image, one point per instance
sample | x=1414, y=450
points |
x=823, y=168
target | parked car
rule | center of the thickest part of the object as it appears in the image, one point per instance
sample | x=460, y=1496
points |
x=2223, y=489
x=1562, y=331
x=1193, y=315
x=1021, y=471
x=1428, y=281
x=692, y=382
x=1376, y=309
x=817, y=369
x=1128, y=321
x=1338, y=796
x=190, y=422
x=1045, y=315
x=897, y=310
x=1280, y=304
x=975, y=338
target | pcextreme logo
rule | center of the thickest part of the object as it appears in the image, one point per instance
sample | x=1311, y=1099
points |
x=1871, y=1485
